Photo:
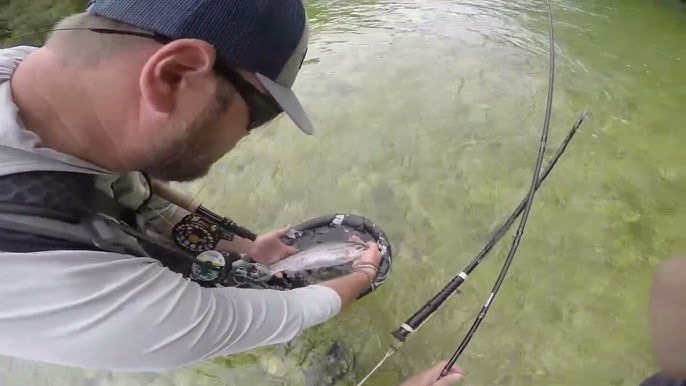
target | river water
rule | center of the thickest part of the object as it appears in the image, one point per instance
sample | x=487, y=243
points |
x=428, y=117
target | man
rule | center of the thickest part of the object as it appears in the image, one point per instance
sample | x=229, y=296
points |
x=668, y=315
x=133, y=89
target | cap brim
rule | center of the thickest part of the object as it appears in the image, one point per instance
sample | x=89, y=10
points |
x=289, y=103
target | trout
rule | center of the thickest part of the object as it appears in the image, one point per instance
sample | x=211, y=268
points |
x=320, y=256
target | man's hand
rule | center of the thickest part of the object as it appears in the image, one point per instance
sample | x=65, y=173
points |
x=350, y=286
x=267, y=249
x=372, y=255
x=429, y=377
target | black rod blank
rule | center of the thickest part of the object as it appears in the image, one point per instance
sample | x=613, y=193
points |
x=522, y=224
x=419, y=317
x=226, y=224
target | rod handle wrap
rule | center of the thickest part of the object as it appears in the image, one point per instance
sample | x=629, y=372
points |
x=419, y=317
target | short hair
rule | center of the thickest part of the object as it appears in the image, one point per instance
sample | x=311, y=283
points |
x=80, y=46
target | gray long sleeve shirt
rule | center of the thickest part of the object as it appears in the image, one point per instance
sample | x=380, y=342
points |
x=113, y=311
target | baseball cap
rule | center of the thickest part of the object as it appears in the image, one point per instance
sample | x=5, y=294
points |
x=266, y=37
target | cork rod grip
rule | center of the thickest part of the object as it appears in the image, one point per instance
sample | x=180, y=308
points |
x=174, y=196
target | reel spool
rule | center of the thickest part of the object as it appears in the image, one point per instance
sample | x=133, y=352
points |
x=195, y=235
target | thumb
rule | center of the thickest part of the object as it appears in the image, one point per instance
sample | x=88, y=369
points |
x=283, y=231
x=449, y=380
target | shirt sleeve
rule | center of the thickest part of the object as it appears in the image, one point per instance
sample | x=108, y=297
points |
x=107, y=311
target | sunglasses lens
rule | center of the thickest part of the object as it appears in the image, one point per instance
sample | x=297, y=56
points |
x=262, y=108
x=262, y=112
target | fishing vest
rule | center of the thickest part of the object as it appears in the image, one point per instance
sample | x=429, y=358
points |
x=58, y=210
x=55, y=210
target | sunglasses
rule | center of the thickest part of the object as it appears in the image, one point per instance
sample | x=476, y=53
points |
x=262, y=107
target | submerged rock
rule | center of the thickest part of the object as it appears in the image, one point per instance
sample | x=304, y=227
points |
x=308, y=362
x=278, y=365
x=332, y=367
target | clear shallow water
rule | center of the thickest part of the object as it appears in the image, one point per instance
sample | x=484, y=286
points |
x=428, y=116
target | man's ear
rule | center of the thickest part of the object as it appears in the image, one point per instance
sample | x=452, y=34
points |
x=181, y=64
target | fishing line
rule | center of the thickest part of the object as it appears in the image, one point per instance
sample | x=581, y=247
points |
x=390, y=352
x=527, y=208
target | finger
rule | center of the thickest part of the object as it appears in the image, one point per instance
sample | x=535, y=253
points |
x=428, y=376
x=276, y=233
x=436, y=370
x=440, y=366
x=457, y=369
x=291, y=250
x=284, y=231
x=278, y=275
x=356, y=239
x=449, y=380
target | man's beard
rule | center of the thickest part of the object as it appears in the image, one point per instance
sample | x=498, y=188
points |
x=186, y=159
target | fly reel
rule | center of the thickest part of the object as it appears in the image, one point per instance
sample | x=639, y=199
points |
x=195, y=235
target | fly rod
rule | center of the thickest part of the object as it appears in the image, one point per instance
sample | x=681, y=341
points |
x=527, y=208
x=423, y=314
x=194, y=206
x=420, y=317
